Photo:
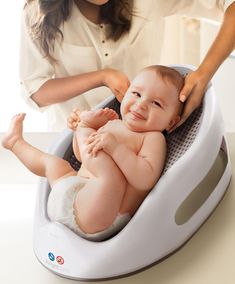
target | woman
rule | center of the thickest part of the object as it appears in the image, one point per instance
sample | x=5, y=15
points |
x=70, y=47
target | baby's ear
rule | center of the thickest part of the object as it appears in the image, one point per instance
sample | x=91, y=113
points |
x=173, y=122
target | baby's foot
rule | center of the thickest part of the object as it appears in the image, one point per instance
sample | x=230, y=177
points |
x=97, y=118
x=14, y=132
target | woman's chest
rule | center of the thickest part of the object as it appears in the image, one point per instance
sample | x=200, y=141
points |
x=85, y=47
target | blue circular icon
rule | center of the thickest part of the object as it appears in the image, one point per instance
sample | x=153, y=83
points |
x=51, y=256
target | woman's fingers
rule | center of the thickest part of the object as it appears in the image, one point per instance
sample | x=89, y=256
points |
x=121, y=91
x=191, y=95
x=119, y=95
x=193, y=101
x=185, y=92
x=117, y=81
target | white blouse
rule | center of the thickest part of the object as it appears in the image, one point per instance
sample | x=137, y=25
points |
x=85, y=48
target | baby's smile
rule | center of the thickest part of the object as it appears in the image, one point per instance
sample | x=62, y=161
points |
x=137, y=115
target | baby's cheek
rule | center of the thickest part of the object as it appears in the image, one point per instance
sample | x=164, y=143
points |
x=163, y=122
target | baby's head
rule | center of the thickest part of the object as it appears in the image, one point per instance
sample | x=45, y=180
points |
x=152, y=101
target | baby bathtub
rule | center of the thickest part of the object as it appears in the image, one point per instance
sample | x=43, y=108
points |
x=195, y=178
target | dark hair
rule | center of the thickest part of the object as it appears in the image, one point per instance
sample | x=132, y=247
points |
x=44, y=24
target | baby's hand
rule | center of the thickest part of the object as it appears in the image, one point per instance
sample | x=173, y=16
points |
x=101, y=141
x=73, y=119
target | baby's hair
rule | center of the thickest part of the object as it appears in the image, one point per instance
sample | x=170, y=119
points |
x=172, y=76
x=46, y=17
x=169, y=75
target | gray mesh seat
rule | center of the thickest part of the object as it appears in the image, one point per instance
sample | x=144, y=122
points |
x=179, y=141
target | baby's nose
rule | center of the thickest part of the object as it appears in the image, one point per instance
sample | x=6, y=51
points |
x=142, y=104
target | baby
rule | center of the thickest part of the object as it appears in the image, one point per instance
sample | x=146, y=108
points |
x=121, y=159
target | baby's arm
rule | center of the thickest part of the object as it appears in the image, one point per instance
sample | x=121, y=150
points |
x=141, y=170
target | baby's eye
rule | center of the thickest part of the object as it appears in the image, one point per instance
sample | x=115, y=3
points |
x=156, y=104
x=136, y=94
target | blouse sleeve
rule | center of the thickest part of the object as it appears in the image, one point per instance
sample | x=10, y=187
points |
x=227, y=3
x=35, y=69
x=212, y=9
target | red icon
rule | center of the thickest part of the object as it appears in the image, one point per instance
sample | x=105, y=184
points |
x=60, y=260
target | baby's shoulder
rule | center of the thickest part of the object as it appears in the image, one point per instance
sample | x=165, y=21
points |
x=154, y=140
x=155, y=135
x=154, y=146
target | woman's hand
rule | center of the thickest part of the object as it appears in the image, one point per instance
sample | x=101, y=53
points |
x=116, y=81
x=196, y=82
x=191, y=95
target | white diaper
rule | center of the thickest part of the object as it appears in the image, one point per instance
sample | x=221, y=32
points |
x=60, y=209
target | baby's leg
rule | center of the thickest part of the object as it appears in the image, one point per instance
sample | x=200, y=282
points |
x=93, y=119
x=76, y=150
x=98, y=203
x=97, y=118
x=38, y=162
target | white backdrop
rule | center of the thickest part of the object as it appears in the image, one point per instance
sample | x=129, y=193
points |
x=11, y=103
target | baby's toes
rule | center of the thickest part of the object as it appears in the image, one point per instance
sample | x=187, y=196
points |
x=114, y=115
x=101, y=112
x=111, y=114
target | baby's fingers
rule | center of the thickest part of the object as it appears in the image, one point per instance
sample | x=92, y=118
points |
x=92, y=138
x=96, y=149
x=77, y=111
x=93, y=149
x=71, y=124
x=74, y=116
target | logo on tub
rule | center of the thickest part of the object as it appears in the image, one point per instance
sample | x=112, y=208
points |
x=51, y=256
x=60, y=260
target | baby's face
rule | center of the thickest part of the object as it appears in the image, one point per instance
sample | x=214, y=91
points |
x=150, y=104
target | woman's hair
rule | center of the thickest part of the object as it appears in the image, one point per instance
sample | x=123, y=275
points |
x=44, y=23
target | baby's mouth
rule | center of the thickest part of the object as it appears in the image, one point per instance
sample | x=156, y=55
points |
x=137, y=115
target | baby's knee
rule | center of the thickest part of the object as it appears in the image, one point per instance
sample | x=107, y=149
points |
x=57, y=168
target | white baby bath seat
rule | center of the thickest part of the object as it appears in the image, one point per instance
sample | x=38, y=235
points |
x=195, y=178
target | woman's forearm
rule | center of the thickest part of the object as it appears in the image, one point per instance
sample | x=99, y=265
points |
x=61, y=89
x=222, y=46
